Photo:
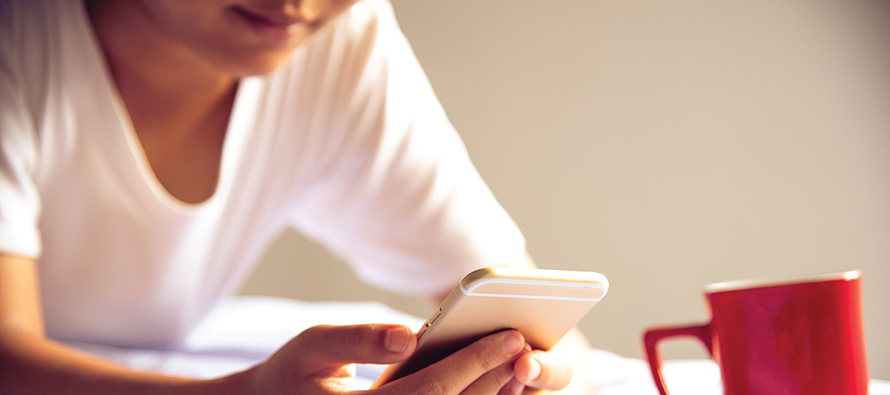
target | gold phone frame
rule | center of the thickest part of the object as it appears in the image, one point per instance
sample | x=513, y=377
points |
x=542, y=304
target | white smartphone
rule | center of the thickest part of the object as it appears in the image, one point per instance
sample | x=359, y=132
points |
x=542, y=304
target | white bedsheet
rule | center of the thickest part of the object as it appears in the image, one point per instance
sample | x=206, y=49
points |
x=245, y=330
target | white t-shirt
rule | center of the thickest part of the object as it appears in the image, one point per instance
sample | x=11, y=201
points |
x=347, y=143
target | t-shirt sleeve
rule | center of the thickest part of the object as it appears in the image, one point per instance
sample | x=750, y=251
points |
x=403, y=204
x=19, y=200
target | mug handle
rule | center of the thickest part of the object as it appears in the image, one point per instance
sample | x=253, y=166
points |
x=651, y=337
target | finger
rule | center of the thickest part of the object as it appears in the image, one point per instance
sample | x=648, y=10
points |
x=340, y=345
x=458, y=371
x=543, y=370
x=497, y=379
x=512, y=387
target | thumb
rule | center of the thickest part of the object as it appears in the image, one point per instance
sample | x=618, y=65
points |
x=339, y=345
x=543, y=370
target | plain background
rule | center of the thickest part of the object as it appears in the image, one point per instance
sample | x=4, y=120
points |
x=667, y=145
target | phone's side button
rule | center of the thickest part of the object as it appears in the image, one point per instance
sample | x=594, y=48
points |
x=434, y=317
x=429, y=322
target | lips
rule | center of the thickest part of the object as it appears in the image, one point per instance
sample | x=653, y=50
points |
x=270, y=25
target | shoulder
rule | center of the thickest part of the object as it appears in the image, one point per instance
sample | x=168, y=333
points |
x=45, y=49
x=34, y=34
x=26, y=23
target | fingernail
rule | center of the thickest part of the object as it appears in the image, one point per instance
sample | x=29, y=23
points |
x=534, y=369
x=512, y=344
x=397, y=339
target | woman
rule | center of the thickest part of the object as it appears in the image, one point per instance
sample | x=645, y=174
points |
x=151, y=149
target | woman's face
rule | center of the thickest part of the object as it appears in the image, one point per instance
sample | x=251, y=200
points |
x=241, y=37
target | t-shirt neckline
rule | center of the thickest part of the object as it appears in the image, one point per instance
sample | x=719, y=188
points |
x=234, y=136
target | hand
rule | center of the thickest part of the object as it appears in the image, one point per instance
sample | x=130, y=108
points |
x=319, y=361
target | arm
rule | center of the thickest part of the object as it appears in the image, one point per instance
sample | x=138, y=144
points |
x=315, y=362
x=31, y=363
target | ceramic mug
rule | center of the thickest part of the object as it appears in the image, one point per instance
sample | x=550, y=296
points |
x=792, y=336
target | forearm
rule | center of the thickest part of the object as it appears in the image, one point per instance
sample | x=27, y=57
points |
x=31, y=364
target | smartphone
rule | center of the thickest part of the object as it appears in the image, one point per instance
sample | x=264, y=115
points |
x=542, y=304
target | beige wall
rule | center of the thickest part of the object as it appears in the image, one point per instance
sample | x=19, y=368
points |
x=666, y=145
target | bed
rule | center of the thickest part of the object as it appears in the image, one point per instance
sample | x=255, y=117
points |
x=245, y=330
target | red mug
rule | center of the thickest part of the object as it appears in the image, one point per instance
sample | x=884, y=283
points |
x=794, y=336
